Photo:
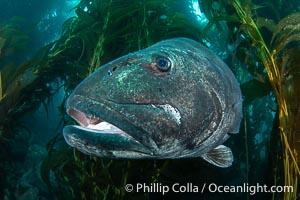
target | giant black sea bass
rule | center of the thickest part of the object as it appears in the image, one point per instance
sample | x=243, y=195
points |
x=172, y=100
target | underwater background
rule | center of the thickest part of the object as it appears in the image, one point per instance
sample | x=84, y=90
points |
x=48, y=47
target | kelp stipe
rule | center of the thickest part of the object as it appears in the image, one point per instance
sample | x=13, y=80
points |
x=283, y=69
x=1, y=90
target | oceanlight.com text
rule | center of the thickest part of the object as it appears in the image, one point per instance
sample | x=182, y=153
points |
x=211, y=187
x=251, y=189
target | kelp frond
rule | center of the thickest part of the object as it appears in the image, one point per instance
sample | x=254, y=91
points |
x=287, y=31
x=99, y=49
x=1, y=90
x=283, y=69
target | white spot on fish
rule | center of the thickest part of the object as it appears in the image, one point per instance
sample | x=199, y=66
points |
x=214, y=124
x=170, y=110
x=153, y=106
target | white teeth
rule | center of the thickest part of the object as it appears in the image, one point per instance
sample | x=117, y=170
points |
x=105, y=127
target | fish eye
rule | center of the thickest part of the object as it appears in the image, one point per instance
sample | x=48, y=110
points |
x=163, y=63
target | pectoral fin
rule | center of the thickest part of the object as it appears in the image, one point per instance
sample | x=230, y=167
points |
x=220, y=156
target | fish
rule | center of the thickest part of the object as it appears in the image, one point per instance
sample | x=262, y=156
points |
x=175, y=99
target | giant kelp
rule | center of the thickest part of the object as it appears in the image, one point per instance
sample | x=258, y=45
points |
x=106, y=29
x=101, y=31
x=283, y=70
x=280, y=63
x=15, y=73
x=1, y=90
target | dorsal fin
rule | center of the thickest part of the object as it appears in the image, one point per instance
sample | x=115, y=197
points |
x=220, y=156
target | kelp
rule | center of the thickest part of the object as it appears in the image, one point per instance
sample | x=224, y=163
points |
x=1, y=90
x=274, y=69
x=106, y=29
x=2, y=43
x=80, y=176
x=14, y=36
x=15, y=76
x=103, y=30
x=282, y=66
x=285, y=53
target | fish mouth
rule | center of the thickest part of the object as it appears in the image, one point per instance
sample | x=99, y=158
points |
x=95, y=124
x=102, y=131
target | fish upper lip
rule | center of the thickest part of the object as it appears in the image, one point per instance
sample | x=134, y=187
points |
x=82, y=118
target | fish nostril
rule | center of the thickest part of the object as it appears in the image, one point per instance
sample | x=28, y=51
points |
x=114, y=69
x=109, y=73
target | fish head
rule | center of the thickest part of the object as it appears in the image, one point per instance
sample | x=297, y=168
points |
x=153, y=103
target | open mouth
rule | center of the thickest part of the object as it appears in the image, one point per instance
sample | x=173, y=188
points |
x=97, y=137
x=97, y=125
x=104, y=131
